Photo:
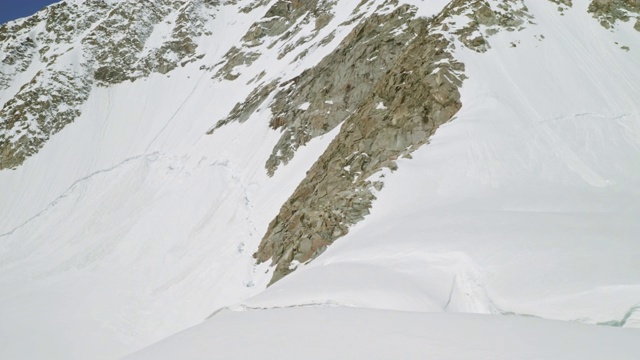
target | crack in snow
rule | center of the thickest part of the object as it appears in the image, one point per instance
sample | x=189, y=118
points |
x=77, y=183
x=622, y=322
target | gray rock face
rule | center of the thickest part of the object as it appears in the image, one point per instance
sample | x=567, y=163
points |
x=418, y=94
x=484, y=20
x=36, y=112
x=392, y=94
x=563, y=5
x=608, y=12
x=388, y=115
x=132, y=25
x=282, y=21
x=340, y=83
x=390, y=83
x=112, y=50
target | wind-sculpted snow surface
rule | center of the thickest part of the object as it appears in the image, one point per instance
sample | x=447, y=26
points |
x=404, y=164
x=351, y=333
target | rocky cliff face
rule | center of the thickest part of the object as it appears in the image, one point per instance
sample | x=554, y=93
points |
x=76, y=46
x=608, y=12
x=388, y=84
x=390, y=95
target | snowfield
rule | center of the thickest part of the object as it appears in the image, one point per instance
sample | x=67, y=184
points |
x=513, y=234
x=352, y=333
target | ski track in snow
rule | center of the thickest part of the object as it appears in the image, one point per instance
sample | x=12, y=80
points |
x=173, y=116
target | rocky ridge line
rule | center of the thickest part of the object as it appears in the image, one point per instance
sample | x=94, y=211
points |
x=280, y=25
x=80, y=45
x=415, y=94
x=609, y=12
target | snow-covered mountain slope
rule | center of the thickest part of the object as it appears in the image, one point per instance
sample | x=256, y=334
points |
x=198, y=136
x=351, y=333
x=526, y=203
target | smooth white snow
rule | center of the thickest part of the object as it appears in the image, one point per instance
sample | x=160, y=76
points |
x=351, y=333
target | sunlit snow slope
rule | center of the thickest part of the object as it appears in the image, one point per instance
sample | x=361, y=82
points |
x=527, y=202
x=132, y=224
x=355, y=333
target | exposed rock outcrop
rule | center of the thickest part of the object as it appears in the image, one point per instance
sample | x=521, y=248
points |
x=112, y=48
x=408, y=103
x=482, y=19
x=608, y=12
x=387, y=115
x=38, y=111
x=322, y=97
x=282, y=22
